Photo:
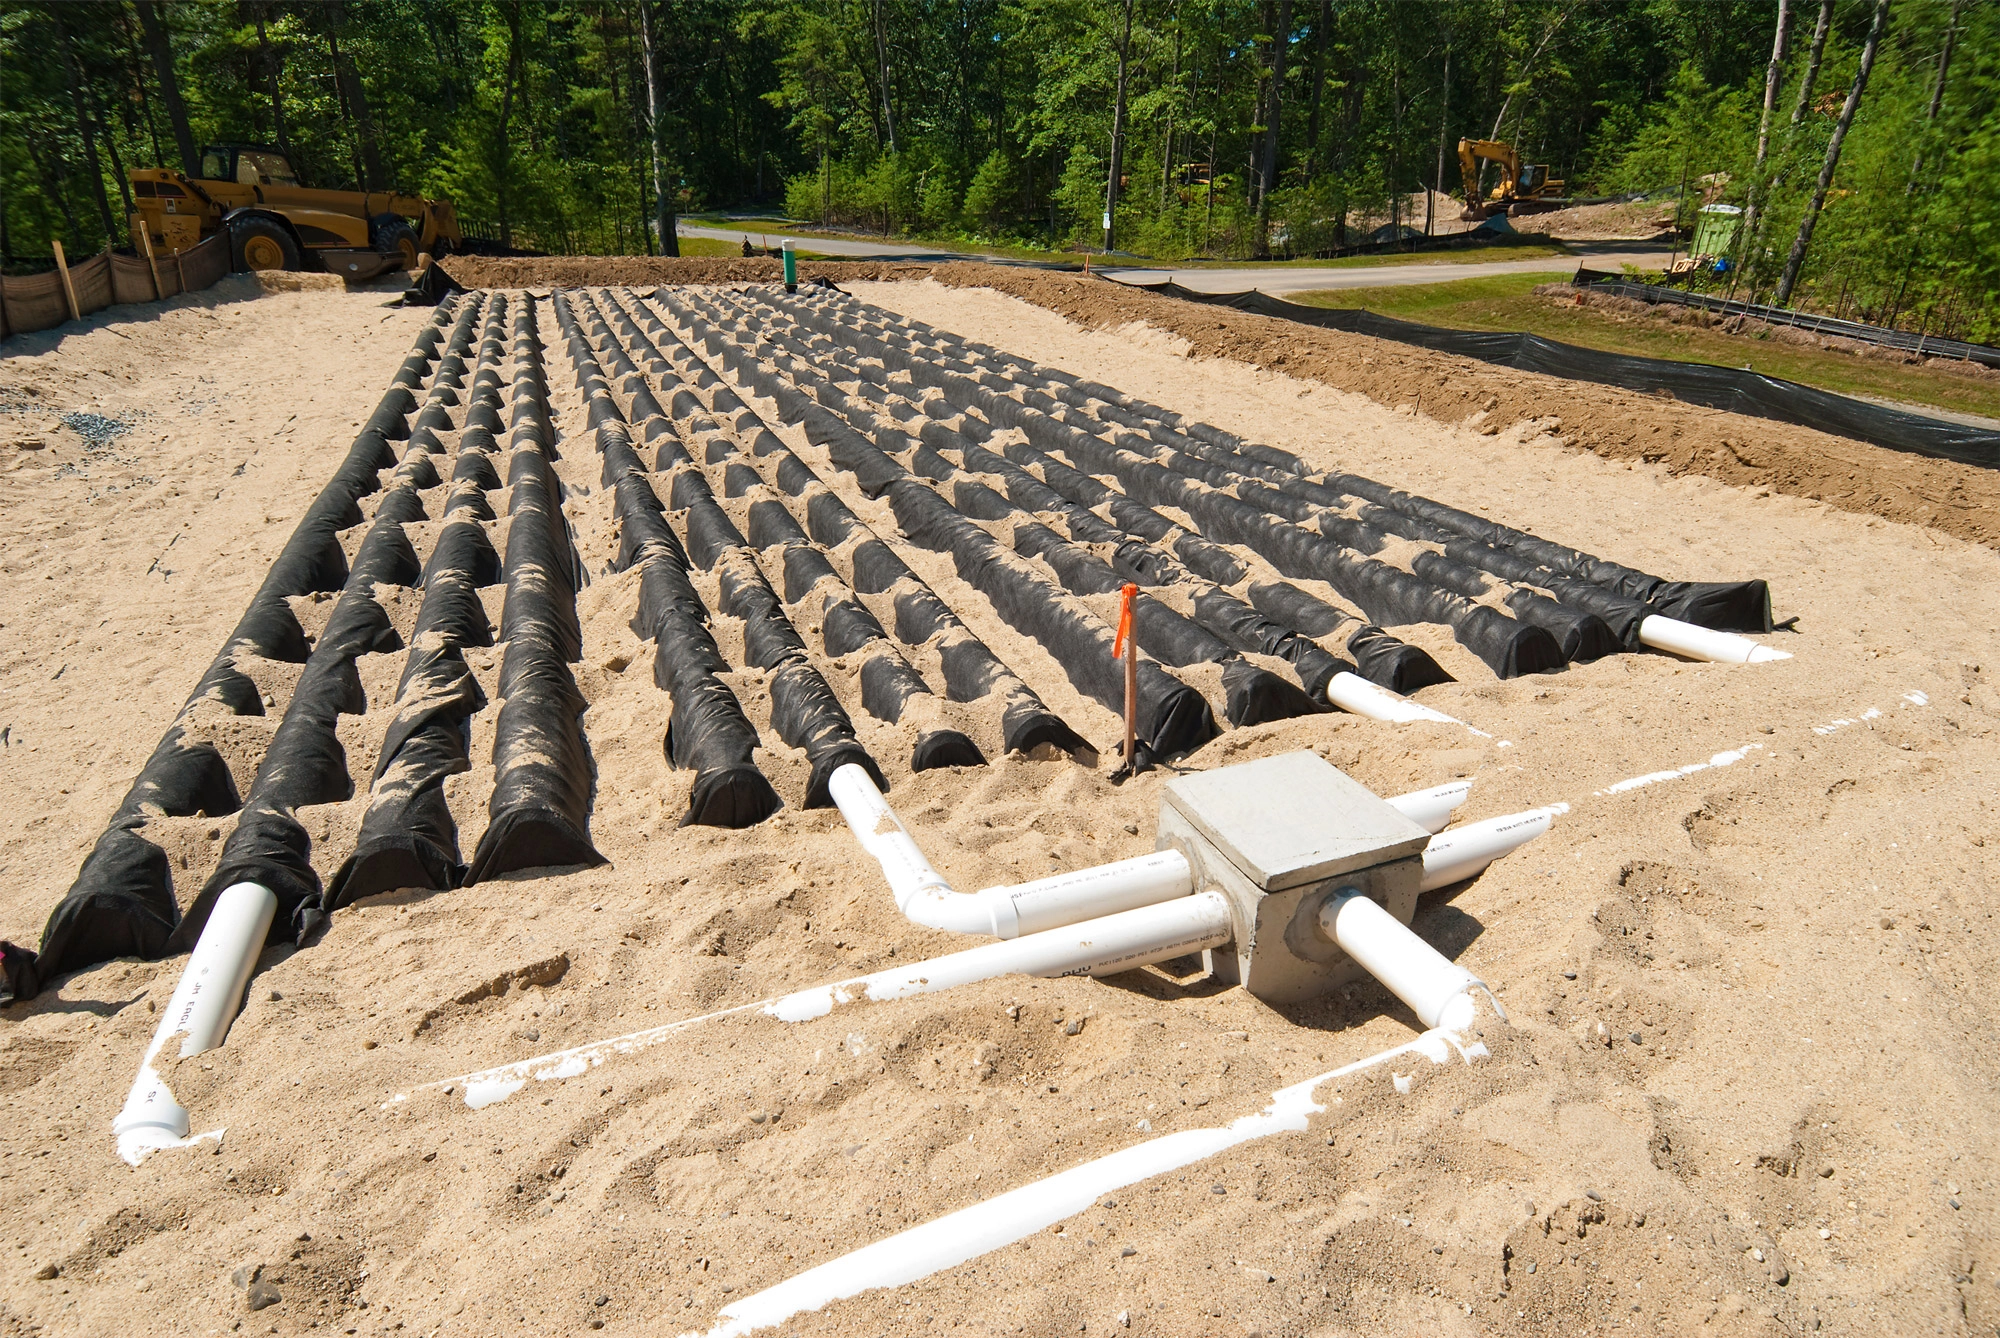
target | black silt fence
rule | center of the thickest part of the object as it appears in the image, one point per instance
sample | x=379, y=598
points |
x=122, y=902
x=1728, y=388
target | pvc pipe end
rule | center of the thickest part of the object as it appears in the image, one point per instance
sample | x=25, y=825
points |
x=1460, y=1013
x=1765, y=654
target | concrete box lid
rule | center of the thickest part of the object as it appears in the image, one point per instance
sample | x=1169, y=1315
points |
x=1293, y=819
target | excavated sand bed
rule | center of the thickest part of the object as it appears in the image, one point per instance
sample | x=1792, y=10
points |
x=1798, y=941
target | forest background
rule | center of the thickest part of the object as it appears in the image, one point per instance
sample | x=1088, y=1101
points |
x=1233, y=128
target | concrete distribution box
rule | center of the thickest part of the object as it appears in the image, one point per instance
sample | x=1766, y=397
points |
x=1279, y=837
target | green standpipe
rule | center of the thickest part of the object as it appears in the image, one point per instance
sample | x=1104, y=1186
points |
x=791, y=267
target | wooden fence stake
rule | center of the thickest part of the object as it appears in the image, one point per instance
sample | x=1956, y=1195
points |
x=69, y=289
x=152, y=262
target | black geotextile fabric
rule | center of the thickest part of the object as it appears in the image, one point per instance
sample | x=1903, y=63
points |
x=1543, y=639
x=1216, y=611
x=1727, y=606
x=122, y=902
x=889, y=685
x=1387, y=661
x=539, y=814
x=408, y=837
x=305, y=762
x=1251, y=693
x=804, y=710
x=1222, y=624
x=707, y=730
x=1173, y=718
x=1384, y=593
x=971, y=670
x=1729, y=388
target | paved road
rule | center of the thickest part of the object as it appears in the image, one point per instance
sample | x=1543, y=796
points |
x=830, y=246
x=1268, y=278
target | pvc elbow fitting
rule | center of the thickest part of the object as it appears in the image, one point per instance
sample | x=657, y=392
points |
x=203, y=1005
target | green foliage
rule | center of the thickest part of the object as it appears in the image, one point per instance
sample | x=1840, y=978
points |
x=532, y=116
x=1694, y=132
x=991, y=195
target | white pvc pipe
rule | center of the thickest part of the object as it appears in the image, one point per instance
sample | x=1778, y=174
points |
x=205, y=1002
x=1353, y=693
x=1704, y=643
x=1414, y=971
x=1064, y=898
x=1432, y=809
x=958, y=1237
x=926, y=897
x=1463, y=851
x=1100, y=947
x=1012, y=910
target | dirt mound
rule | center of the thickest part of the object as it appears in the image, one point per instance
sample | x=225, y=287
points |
x=1670, y=314
x=1612, y=221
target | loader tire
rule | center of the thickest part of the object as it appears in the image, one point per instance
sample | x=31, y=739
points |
x=392, y=235
x=260, y=244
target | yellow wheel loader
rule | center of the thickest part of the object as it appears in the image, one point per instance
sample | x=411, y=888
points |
x=250, y=193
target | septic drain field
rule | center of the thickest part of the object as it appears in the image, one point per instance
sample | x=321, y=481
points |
x=531, y=698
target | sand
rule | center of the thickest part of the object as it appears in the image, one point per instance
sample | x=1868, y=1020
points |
x=1786, y=953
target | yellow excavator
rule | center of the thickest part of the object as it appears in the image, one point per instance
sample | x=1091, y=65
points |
x=250, y=193
x=1521, y=184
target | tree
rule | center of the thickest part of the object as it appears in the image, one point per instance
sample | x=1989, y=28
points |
x=162, y=53
x=1796, y=261
x=1118, y=134
x=663, y=203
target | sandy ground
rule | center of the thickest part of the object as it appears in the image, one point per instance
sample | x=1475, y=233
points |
x=1748, y=1088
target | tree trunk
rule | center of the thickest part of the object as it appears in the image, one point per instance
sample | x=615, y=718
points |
x=1167, y=144
x=663, y=200
x=1444, y=131
x=271, y=61
x=1528, y=69
x=1937, y=95
x=1774, y=75
x=1319, y=83
x=504, y=175
x=1117, y=135
x=882, y=70
x=170, y=88
x=117, y=163
x=83, y=131
x=1813, y=56
x=1800, y=105
x=356, y=97
x=1796, y=261
x=1267, y=171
